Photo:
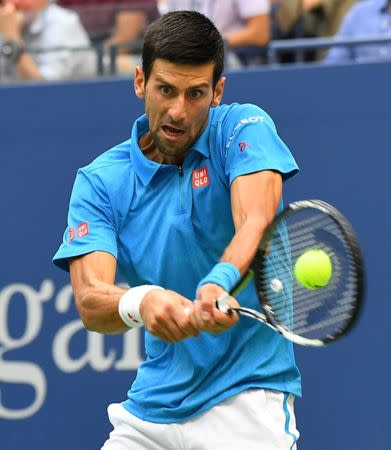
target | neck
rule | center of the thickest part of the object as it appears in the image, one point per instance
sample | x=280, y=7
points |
x=152, y=152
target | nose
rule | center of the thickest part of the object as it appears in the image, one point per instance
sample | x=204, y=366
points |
x=177, y=110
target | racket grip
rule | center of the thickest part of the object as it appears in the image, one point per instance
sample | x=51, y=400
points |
x=222, y=303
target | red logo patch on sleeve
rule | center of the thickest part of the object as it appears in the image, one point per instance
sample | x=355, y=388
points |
x=71, y=234
x=200, y=177
x=82, y=229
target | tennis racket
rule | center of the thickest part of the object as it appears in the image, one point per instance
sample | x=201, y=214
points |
x=303, y=313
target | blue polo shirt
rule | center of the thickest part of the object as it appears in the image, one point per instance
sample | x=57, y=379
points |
x=169, y=226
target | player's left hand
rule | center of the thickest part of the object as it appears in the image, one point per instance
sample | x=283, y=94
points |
x=205, y=313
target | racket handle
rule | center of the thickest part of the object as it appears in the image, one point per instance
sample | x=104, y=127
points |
x=222, y=303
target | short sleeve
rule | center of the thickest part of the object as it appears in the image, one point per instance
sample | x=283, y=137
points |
x=253, y=8
x=251, y=144
x=91, y=226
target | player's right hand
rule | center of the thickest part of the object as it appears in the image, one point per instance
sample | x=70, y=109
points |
x=207, y=317
x=166, y=315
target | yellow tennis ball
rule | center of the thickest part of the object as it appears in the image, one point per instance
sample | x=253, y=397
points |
x=313, y=269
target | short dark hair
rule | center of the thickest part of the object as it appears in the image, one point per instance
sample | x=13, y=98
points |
x=183, y=37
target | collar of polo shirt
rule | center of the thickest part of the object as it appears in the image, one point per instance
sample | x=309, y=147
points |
x=144, y=167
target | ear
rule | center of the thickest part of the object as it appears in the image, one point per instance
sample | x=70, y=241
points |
x=139, y=85
x=218, y=92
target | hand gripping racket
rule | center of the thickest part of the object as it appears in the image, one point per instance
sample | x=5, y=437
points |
x=305, y=306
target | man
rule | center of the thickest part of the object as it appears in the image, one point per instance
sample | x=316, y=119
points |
x=115, y=24
x=29, y=24
x=308, y=18
x=365, y=19
x=122, y=21
x=245, y=25
x=179, y=209
x=319, y=18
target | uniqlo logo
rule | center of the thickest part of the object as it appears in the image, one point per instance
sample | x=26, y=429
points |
x=71, y=234
x=200, y=178
x=82, y=229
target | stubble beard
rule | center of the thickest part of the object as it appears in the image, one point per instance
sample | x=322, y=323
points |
x=175, y=151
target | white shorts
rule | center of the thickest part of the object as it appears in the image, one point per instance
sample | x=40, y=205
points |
x=253, y=419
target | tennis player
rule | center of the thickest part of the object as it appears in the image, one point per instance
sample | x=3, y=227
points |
x=179, y=209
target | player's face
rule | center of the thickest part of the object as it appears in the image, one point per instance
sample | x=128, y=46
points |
x=177, y=101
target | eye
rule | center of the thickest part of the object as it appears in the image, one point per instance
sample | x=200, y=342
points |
x=165, y=90
x=195, y=94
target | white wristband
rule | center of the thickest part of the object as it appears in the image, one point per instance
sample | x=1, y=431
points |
x=129, y=305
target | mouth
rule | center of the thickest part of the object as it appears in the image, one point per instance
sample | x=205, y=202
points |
x=172, y=133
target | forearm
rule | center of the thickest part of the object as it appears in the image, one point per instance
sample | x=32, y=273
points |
x=129, y=25
x=27, y=68
x=104, y=308
x=241, y=250
x=256, y=32
x=11, y=22
x=252, y=214
x=97, y=304
x=247, y=37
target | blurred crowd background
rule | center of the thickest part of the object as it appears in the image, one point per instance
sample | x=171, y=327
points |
x=74, y=39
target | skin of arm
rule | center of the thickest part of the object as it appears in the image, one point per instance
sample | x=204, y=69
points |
x=27, y=68
x=255, y=32
x=10, y=27
x=128, y=27
x=97, y=298
x=254, y=199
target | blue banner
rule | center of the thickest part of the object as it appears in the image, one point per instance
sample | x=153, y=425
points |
x=56, y=379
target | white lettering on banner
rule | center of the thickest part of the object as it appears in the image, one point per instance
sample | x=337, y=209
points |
x=29, y=372
x=94, y=354
x=254, y=119
x=23, y=372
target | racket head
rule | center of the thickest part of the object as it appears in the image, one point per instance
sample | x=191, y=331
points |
x=319, y=315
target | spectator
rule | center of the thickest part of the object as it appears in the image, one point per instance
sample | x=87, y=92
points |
x=29, y=24
x=366, y=18
x=318, y=17
x=244, y=24
x=116, y=22
x=308, y=18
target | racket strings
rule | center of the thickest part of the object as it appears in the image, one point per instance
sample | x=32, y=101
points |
x=312, y=313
